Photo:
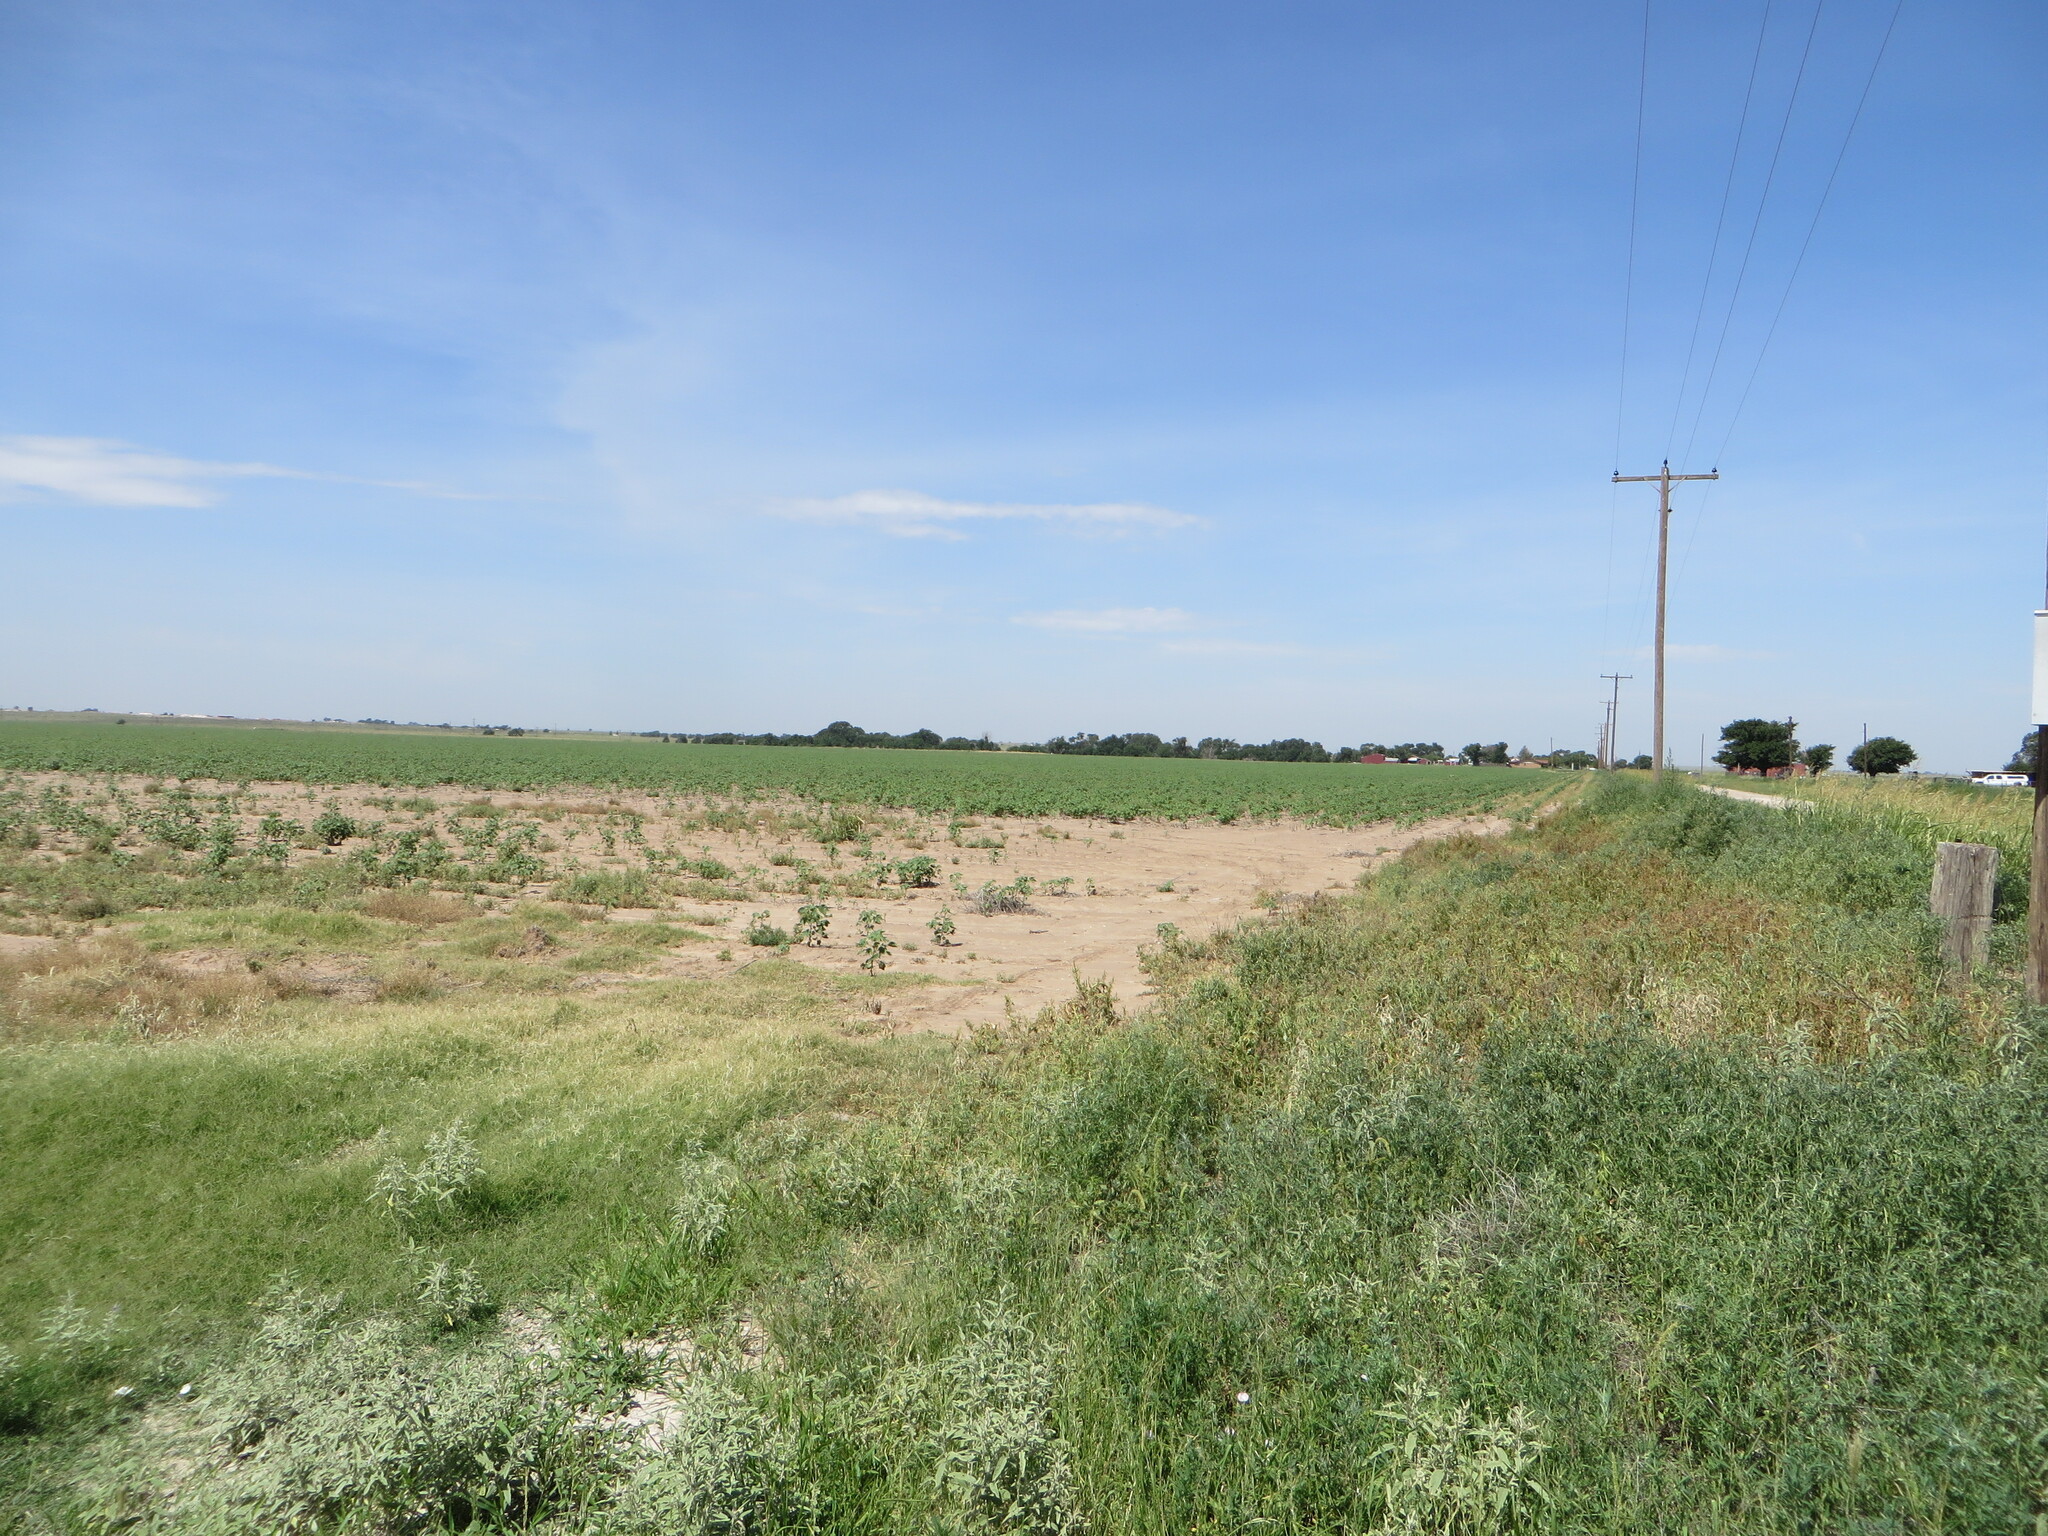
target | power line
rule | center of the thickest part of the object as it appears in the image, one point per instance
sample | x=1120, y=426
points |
x=1792, y=277
x=1635, y=199
x=1756, y=59
x=1799, y=261
x=1635, y=202
x=1762, y=202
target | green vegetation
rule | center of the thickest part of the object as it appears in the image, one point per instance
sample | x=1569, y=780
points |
x=984, y=783
x=1641, y=1170
x=1881, y=754
x=1757, y=746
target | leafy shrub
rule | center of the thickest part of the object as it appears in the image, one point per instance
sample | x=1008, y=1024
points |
x=838, y=827
x=449, y=1170
x=985, y=1411
x=724, y=1469
x=942, y=927
x=761, y=933
x=321, y=1423
x=450, y=1295
x=332, y=828
x=607, y=888
x=875, y=946
x=1447, y=1471
x=516, y=862
x=813, y=921
x=992, y=898
x=920, y=870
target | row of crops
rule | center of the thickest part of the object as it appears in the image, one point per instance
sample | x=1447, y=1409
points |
x=979, y=783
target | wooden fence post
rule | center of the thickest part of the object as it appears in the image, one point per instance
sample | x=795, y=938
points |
x=1964, y=875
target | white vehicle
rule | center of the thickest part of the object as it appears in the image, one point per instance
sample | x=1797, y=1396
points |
x=2000, y=780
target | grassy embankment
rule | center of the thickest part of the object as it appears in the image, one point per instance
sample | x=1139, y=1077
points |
x=1639, y=1171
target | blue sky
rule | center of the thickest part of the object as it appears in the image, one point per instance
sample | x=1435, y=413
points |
x=1239, y=370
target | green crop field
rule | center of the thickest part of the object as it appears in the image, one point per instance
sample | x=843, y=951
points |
x=981, y=783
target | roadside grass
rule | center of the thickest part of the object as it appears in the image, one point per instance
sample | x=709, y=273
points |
x=1926, y=811
x=173, y=1180
x=1637, y=1171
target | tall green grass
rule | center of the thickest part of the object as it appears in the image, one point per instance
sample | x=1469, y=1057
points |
x=1637, y=1172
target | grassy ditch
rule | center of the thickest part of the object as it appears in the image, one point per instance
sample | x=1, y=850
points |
x=1638, y=1171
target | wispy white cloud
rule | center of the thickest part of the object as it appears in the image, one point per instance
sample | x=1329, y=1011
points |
x=1221, y=647
x=100, y=472
x=914, y=515
x=1111, y=621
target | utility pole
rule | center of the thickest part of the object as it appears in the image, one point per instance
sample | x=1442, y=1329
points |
x=1663, y=480
x=1609, y=751
x=2037, y=873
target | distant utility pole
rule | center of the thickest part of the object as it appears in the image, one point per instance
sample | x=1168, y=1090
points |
x=1663, y=480
x=1608, y=750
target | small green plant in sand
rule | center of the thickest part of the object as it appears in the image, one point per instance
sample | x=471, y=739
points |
x=874, y=944
x=942, y=927
x=765, y=935
x=813, y=921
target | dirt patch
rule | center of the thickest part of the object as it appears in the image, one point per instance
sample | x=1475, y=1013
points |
x=1082, y=895
x=1126, y=881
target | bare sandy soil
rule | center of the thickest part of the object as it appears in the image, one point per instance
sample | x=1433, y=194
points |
x=1100, y=889
x=1199, y=878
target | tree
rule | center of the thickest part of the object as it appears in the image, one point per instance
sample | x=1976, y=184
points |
x=1881, y=754
x=1565, y=758
x=2026, y=759
x=1757, y=744
x=1819, y=758
x=1641, y=760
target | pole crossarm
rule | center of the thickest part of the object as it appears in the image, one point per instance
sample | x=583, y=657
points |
x=1663, y=480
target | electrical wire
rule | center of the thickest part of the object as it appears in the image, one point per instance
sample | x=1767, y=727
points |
x=1792, y=277
x=1756, y=59
x=1635, y=200
x=1749, y=248
x=1813, y=224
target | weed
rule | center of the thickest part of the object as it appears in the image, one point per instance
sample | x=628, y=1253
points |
x=607, y=888
x=450, y=1293
x=724, y=1469
x=761, y=933
x=703, y=1204
x=1447, y=1472
x=449, y=1171
x=993, y=899
x=874, y=945
x=919, y=870
x=332, y=828
x=942, y=927
x=813, y=921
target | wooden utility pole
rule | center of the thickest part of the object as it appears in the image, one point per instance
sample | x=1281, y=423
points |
x=2037, y=873
x=1663, y=480
x=1609, y=750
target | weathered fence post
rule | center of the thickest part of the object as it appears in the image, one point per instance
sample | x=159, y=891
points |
x=1964, y=874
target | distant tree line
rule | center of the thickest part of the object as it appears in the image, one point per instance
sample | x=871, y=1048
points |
x=1290, y=749
x=840, y=733
x=1765, y=746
